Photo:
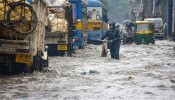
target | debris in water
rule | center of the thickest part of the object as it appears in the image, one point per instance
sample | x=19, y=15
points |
x=93, y=72
x=83, y=73
x=173, y=81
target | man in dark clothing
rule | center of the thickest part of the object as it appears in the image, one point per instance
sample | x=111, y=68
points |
x=113, y=37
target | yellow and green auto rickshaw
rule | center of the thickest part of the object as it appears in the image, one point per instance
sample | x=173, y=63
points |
x=144, y=32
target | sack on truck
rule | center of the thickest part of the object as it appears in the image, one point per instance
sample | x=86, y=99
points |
x=58, y=24
x=2, y=8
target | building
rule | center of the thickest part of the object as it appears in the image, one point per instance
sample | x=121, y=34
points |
x=173, y=13
x=136, y=10
x=160, y=8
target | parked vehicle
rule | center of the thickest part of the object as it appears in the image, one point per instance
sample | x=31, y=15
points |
x=22, y=36
x=97, y=20
x=80, y=21
x=144, y=33
x=60, y=29
x=158, y=29
x=128, y=36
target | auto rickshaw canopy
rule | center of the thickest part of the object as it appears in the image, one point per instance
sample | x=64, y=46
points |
x=143, y=22
x=144, y=32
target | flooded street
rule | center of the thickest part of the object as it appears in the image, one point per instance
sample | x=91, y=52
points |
x=142, y=73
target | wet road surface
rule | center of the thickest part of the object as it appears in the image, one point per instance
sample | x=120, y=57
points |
x=142, y=73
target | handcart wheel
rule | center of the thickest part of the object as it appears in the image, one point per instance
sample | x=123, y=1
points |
x=22, y=18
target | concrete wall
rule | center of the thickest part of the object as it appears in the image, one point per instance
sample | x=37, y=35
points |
x=173, y=26
x=170, y=17
x=163, y=9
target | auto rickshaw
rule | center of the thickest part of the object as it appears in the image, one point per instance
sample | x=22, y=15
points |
x=144, y=32
x=128, y=35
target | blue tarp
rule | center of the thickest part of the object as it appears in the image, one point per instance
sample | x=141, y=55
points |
x=94, y=3
x=30, y=1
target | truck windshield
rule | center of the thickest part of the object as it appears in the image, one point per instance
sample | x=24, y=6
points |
x=157, y=21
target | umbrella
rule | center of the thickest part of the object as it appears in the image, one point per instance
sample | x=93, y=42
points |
x=128, y=23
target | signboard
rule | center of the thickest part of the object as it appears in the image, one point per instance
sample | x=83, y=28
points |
x=94, y=13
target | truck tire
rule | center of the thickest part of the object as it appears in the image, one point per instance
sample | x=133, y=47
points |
x=9, y=66
x=41, y=67
x=35, y=64
x=46, y=62
x=38, y=63
x=28, y=16
x=161, y=37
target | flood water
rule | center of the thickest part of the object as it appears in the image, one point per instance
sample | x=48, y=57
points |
x=142, y=73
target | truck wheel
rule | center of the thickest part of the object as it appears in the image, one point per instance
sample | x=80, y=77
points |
x=36, y=63
x=153, y=42
x=80, y=47
x=161, y=38
x=9, y=67
x=69, y=54
x=26, y=17
x=41, y=67
x=46, y=62
x=27, y=69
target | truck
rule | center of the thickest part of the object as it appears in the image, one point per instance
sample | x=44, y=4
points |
x=22, y=36
x=81, y=23
x=60, y=29
x=158, y=30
